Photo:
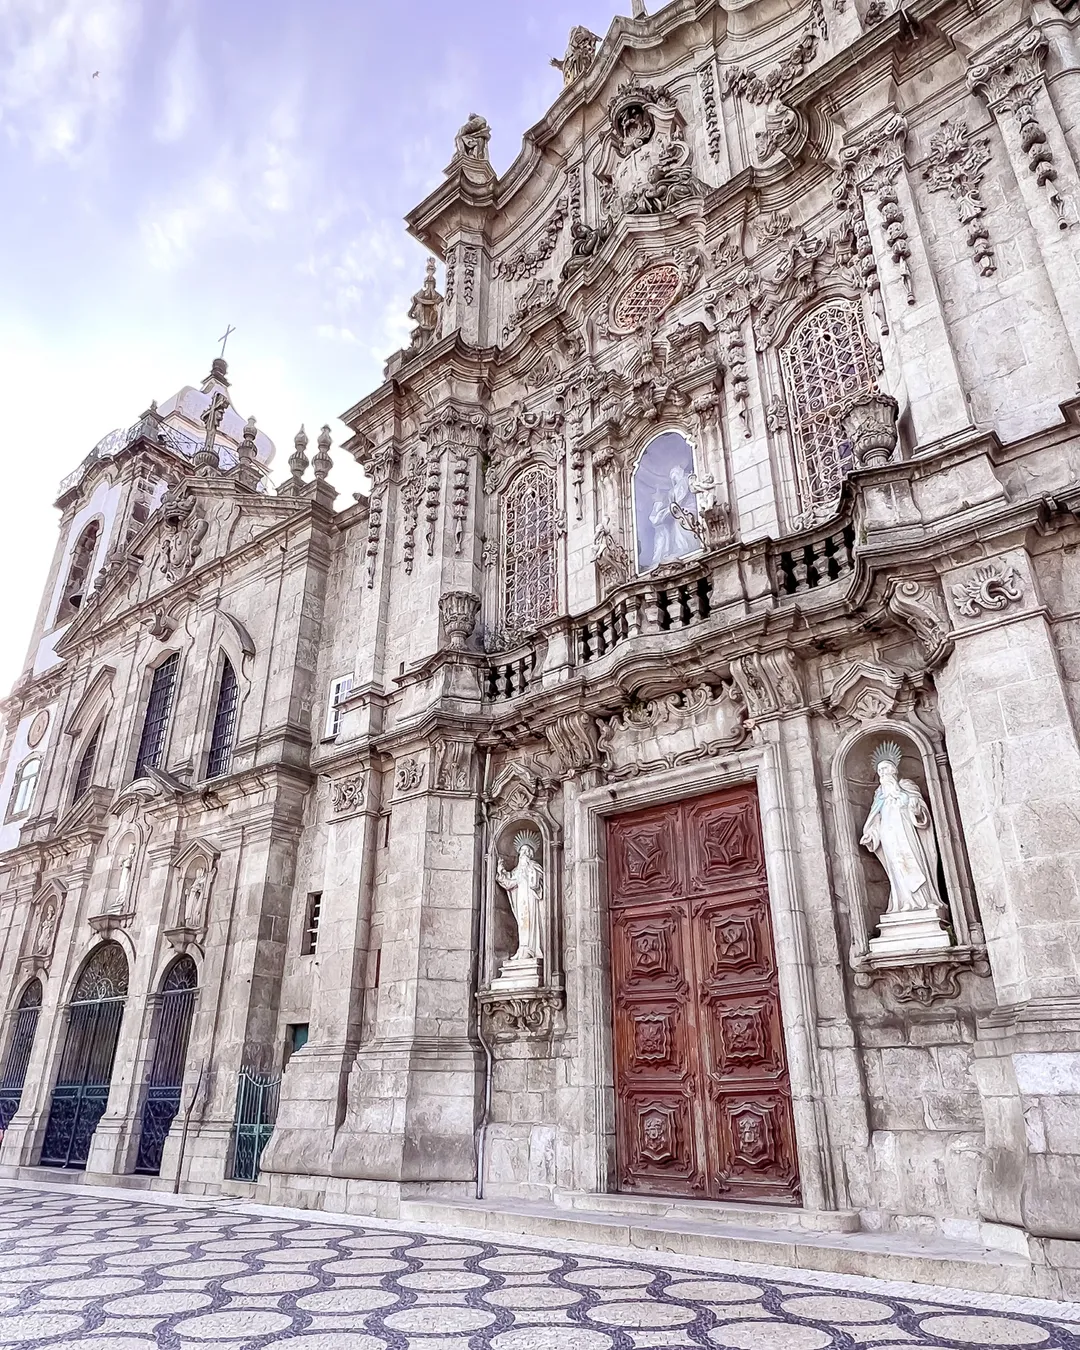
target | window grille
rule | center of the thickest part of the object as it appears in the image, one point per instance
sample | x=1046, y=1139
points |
x=827, y=359
x=25, y=785
x=156, y=722
x=339, y=692
x=85, y=772
x=529, y=534
x=310, y=941
x=18, y=1056
x=78, y=577
x=221, y=738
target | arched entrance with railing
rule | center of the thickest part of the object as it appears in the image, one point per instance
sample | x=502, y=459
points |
x=175, y=1006
x=18, y=1055
x=86, y=1063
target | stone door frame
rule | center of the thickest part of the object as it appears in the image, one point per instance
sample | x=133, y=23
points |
x=588, y=911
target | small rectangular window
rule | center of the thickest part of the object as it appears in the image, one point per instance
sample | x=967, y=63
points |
x=296, y=1037
x=339, y=692
x=310, y=941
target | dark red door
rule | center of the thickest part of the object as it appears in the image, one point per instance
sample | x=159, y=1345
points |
x=703, y=1098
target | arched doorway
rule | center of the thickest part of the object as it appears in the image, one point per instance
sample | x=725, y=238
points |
x=82, y=1085
x=18, y=1055
x=176, y=1003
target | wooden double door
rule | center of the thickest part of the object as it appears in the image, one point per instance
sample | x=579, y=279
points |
x=703, y=1097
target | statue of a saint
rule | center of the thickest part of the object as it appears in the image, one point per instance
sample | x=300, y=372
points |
x=524, y=886
x=899, y=831
x=46, y=930
x=471, y=142
x=122, y=904
x=673, y=517
x=191, y=907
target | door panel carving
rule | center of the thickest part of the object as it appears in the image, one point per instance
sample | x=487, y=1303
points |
x=703, y=1098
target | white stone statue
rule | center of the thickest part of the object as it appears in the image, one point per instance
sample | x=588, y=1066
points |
x=122, y=904
x=46, y=930
x=673, y=516
x=899, y=831
x=192, y=904
x=525, y=887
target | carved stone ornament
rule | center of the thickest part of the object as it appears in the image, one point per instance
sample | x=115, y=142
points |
x=676, y=729
x=924, y=983
x=865, y=692
x=955, y=165
x=453, y=766
x=1010, y=78
x=993, y=586
x=458, y=610
x=526, y=262
x=745, y=82
x=573, y=742
x=871, y=167
x=160, y=625
x=645, y=166
x=347, y=794
x=511, y=1017
x=408, y=774
x=769, y=682
x=537, y=296
x=869, y=422
x=580, y=54
x=611, y=558
x=917, y=607
x=183, y=533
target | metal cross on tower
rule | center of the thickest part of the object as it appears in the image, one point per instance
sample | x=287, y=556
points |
x=225, y=337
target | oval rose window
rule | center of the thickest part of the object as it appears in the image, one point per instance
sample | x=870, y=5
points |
x=647, y=296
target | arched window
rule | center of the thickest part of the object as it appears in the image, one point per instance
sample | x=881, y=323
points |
x=156, y=721
x=85, y=771
x=78, y=577
x=224, y=730
x=18, y=1055
x=665, y=507
x=22, y=797
x=827, y=359
x=530, y=591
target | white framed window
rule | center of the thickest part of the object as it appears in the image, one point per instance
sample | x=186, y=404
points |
x=339, y=692
x=25, y=784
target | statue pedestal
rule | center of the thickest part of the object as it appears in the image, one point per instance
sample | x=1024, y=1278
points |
x=911, y=931
x=518, y=973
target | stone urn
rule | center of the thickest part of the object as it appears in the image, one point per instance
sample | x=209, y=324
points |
x=869, y=423
x=458, y=610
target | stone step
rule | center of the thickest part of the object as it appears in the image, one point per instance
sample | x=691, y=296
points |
x=898, y=1257
x=781, y=1218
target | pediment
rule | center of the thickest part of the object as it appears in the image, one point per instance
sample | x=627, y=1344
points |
x=89, y=706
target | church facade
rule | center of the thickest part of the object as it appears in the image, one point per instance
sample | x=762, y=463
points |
x=665, y=780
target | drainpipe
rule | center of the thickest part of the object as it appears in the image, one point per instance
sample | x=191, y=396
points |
x=478, y=967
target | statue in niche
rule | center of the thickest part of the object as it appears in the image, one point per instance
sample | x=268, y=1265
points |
x=191, y=905
x=666, y=506
x=471, y=142
x=123, y=902
x=899, y=831
x=524, y=886
x=46, y=930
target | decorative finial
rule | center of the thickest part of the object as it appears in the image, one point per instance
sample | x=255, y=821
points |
x=580, y=54
x=246, y=450
x=298, y=460
x=425, y=310
x=637, y=9
x=322, y=463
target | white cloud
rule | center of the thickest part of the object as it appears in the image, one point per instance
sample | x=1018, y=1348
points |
x=49, y=51
x=183, y=91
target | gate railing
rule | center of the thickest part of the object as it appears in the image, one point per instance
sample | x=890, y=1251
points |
x=256, y=1111
x=18, y=1060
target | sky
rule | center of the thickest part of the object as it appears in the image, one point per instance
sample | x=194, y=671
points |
x=171, y=167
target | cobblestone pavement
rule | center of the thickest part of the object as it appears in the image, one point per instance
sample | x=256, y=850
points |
x=109, y=1273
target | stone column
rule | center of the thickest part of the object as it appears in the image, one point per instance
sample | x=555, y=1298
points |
x=414, y=1089
x=912, y=318
x=1011, y=79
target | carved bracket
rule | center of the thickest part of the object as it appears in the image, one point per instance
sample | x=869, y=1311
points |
x=520, y=1017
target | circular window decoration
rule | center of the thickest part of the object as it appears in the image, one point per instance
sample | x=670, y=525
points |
x=647, y=296
x=38, y=728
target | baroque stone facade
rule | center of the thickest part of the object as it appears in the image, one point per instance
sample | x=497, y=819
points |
x=666, y=778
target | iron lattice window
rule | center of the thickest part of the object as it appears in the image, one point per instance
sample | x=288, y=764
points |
x=529, y=532
x=85, y=772
x=104, y=976
x=221, y=739
x=155, y=724
x=647, y=297
x=827, y=359
x=18, y=1055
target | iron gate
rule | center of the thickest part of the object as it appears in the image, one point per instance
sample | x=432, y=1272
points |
x=256, y=1111
x=176, y=1004
x=18, y=1057
x=82, y=1085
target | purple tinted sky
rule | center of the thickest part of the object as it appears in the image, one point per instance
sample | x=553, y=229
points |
x=234, y=161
